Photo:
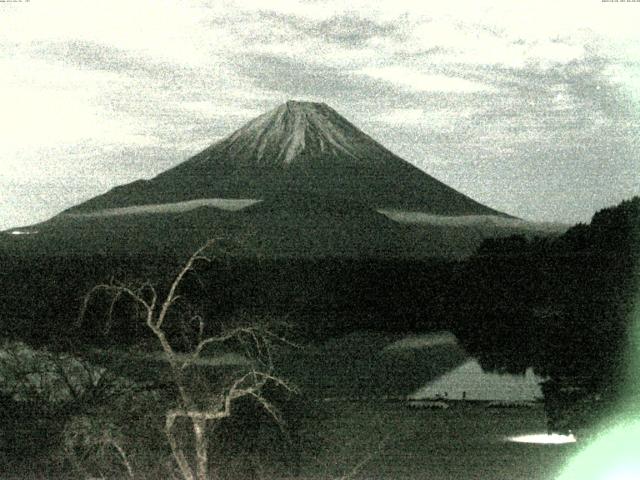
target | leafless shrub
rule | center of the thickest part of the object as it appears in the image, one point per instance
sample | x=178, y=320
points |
x=197, y=407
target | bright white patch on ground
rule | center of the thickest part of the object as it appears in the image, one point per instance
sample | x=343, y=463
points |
x=228, y=204
x=468, y=380
x=23, y=232
x=423, y=341
x=472, y=383
x=544, y=438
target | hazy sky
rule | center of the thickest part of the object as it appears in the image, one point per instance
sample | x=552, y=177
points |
x=533, y=110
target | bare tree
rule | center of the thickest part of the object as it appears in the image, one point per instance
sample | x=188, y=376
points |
x=198, y=409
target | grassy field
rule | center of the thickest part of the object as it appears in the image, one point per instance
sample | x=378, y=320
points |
x=466, y=441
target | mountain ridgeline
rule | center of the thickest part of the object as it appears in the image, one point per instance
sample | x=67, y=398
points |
x=300, y=181
x=299, y=149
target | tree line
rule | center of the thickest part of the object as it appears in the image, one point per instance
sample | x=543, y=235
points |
x=561, y=305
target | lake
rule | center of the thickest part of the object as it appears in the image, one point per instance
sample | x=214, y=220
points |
x=466, y=441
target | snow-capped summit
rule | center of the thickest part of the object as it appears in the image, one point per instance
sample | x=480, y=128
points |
x=292, y=130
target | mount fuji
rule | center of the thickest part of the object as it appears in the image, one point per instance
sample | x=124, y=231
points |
x=302, y=179
x=301, y=149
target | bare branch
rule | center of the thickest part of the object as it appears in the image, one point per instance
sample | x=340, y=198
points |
x=114, y=299
x=154, y=295
x=231, y=334
x=202, y=461
x=178, y=454
x=123, y=457
x=116, y=290
x=269, y=407
x=281, y=339
x=200, y=326
x=199, y=414
x=170, y=299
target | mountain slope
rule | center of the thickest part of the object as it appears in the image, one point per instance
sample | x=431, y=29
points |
x=298, y=148
x=299, y=181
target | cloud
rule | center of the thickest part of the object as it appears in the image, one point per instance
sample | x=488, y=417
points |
x=34, y=187
x=353, y=30
x=86, y=55
x=311, y=81
x=56, y=108
x=423, y=82
x=401, y=116
x=350, y=29
x=165, y=30
x=117, y=96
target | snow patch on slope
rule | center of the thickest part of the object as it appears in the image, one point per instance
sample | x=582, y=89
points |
x=285, y=132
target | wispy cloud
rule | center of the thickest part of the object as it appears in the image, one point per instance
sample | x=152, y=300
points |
x=423, y=82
